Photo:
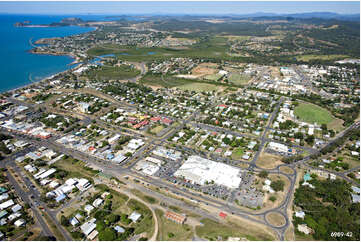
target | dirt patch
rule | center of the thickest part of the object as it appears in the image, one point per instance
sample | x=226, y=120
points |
x=268, y=161
x=205, y=69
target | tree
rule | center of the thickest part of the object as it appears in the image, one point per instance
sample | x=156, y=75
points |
x=107, y=234
x=263, y=174
x=272, y=198
x=64, y=221
x=278, y=185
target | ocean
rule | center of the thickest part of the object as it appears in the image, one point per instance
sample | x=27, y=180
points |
x=18, y=67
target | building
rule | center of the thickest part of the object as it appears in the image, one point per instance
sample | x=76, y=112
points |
x=304, y=229
x=88, y=227
x=135, y=216
x=175, y=217
x=19, y=222
x=278, y=147
x=202, y=171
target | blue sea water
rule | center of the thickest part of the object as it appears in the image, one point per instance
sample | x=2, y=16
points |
x=18, y=67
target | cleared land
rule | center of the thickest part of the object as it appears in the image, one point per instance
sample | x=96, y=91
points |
x=198, y=87
x=237, y=153
x=113, y=72
x=320, y=57
x=268, y=161
x=211, y=230
x=171, y=231
x=311, y=113
x=238, y=79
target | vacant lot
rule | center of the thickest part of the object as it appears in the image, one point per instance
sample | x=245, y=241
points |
x=198, y=87
x=237, y=153
x=169, y=230
x=113, y=72
x=238, y=79
x=311, y=113
x=320, y=57
x=268, y=161
x=211, y=230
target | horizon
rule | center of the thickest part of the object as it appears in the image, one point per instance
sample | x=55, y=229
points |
x=179, y=7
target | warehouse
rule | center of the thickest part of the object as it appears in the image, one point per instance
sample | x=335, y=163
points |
x=201, y=171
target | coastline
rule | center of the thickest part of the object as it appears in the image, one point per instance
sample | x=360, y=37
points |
x=76, y=60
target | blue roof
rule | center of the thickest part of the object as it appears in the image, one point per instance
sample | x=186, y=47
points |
x=60, y=197
x=307, y=177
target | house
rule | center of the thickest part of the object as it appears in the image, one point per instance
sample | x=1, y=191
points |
x=119, y=229
x=60, y=198
x=16, y=208
x=300, y=214
x=14, y=216
x=4, y=196
x=88, y=208
x=355, y=198
x=175, y=217
x=73, y=221
x=304, y=229
x=3, y=213
x=97, y=202
x=19, y=222
x=6, y=204
x=88, y=227
x=135, y=216
x=92, y=235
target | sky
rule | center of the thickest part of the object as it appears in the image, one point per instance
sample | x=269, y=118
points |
x=177, y=7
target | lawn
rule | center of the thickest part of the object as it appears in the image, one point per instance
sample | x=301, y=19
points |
x=198, y=87
x=171, y=231
x=311, y=113
x=113, y=72
x=210, y=230
x=237, y=154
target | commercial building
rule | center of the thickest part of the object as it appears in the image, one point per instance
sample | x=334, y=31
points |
x=201, y=171
x=175, y=217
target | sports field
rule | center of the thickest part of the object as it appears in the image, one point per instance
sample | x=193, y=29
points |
x=311, y=113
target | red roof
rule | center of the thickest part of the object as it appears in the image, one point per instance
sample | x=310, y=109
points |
x=155, y=119
x=222, y=214
x=222, y=105
x=167, y=121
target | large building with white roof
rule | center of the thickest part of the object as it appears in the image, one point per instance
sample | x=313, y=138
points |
x=199, y=170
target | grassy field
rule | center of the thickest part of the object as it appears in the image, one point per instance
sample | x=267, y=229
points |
x=214, y=47
x=75, y=168
x=237, y=153
x=144, y=197
x=213, y=77
x=172, y=231
x=320, y=57
x=113, y=73
x=311, y=113
x=198, y=87
x=275, y=219
x=210, y=230
x=238, y=79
